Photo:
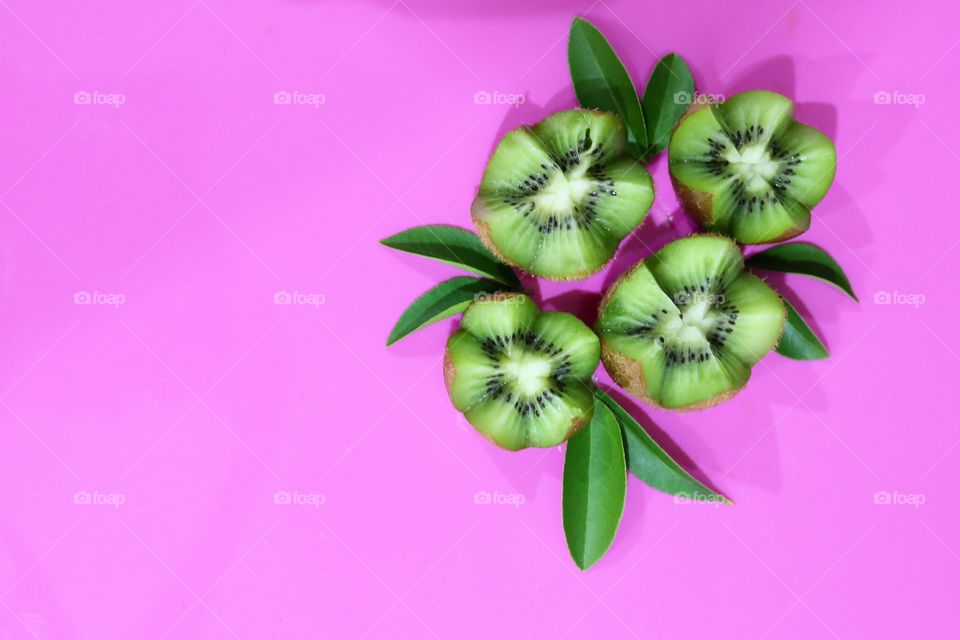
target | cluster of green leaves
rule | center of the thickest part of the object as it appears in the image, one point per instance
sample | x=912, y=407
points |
x=601, y=82
x=613, y=444
x=459, y=248
x=798, y=340
x=594, y=478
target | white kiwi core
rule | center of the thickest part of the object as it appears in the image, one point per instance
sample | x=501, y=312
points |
x=528, y=373
x=754, y=165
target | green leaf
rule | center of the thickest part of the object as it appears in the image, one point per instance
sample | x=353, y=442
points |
x=668, y=94
x=453, y=246
x=803, y=258
x=448, y=298
x=648, y=461
x=798, y=340
x=594, y=487
x=601, y=81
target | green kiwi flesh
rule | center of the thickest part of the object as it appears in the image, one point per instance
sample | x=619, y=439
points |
x=683, y=328
x=557, y=198
x=521, y=377
x=745, y=168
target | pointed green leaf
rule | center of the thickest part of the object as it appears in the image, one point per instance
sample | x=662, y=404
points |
x=668, y=94
x=448, y=298
x=798, y=340
x=453, y=246
x=803, y=258
x=601, y=81
x=594, y=487
x=648, y=461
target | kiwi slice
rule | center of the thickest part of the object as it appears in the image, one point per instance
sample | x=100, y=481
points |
x=521, y=377
x=746, y=168
x=557, y=198
x=682, y=328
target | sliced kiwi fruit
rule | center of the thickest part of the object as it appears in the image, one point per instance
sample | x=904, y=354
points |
x=745, y=168
x=682, y=328
x=521, y=377
x=557, y=198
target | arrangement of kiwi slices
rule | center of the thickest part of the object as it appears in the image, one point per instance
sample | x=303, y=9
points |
x=557, y=198
x=682, y=328
x=747, y=169
x=521, y=377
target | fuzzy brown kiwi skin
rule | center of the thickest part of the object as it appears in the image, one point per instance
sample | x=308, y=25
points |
x=450, y=373
x=698, y=204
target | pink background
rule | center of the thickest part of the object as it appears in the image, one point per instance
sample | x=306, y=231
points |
x=181, y=399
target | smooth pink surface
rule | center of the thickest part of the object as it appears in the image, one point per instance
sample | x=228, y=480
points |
x=181, y=197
